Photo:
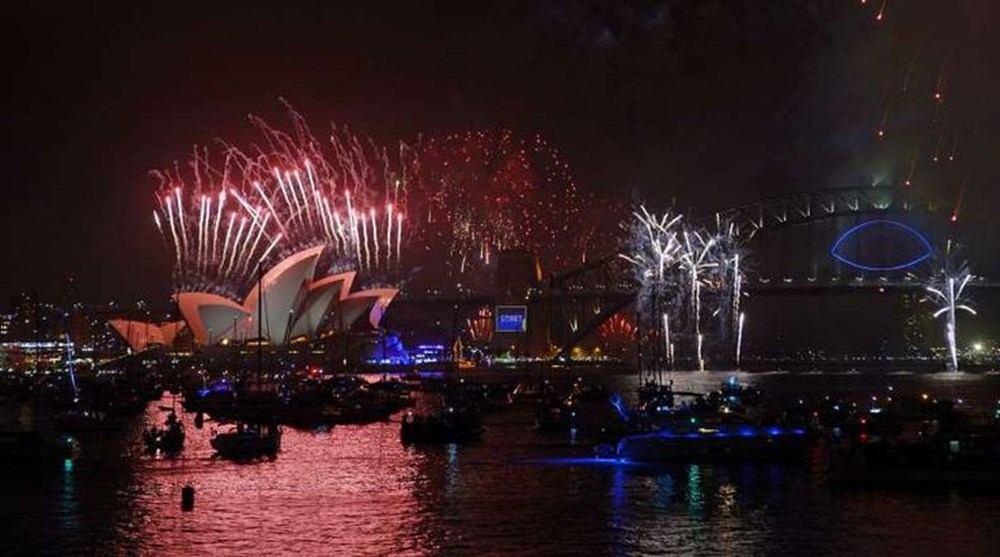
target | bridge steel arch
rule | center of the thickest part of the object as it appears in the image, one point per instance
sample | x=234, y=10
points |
x=802, y=208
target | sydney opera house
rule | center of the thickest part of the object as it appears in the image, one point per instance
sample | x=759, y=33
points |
x=289, y=304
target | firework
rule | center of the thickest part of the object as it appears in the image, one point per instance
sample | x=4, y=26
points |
x=289, y=192
x=946, y=293
x=657, y=247
x=726, y=275
x=480, y=327
x=617, y=334
x=478, y=193
x=676, y=266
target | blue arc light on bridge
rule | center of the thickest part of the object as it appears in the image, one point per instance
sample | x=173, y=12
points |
x=925, y=244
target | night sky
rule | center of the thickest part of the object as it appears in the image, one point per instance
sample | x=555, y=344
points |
x=709, y=103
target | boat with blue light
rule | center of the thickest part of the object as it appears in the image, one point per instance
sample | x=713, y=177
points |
x=680, y=426
x=710, y=440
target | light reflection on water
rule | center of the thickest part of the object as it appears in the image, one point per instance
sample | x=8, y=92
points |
x=356, y=490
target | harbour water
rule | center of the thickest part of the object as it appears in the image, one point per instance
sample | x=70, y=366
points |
x=355, y=490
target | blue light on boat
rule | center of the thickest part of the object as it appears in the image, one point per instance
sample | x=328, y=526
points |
x=580, y=461
x=619, y=405
x=774, y=431
x=746, y=432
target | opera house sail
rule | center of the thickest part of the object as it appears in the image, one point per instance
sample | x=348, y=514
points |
x=291, y=302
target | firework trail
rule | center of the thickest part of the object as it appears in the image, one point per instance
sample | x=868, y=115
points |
x=909, y=72
x=931, y=53
x=668, y=343
x=696, y=263
x=912, y=168
x=880, y=15
x=739, y=340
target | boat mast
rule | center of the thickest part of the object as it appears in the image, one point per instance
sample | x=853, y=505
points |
x=260, y=320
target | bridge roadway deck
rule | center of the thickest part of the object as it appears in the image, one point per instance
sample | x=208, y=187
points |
x=784, y=286
x=771, y=287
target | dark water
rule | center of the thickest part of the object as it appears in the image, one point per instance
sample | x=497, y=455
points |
x=357, y=491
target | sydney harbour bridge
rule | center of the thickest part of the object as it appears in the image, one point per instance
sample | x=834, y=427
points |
x=840, y=244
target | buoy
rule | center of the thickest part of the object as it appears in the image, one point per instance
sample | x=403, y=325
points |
x=187, y=498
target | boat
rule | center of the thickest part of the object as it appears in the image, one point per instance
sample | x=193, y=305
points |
x=448, y=426
x=81, y=420
x=531, y=392
x=251, y=437
x=711, y=440
x=680, y=426
x=248, y=441
x=914, y=442
x=583, y=406
x=168, y=440
x=967, y=457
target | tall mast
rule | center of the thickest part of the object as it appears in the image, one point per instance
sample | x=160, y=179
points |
x=260, y=320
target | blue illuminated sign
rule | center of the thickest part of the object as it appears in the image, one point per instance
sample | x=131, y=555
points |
x=512, y=319
x=925, y=244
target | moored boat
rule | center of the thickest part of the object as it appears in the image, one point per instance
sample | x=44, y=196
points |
x=168, y=440
x=447, y=426
x=248, y=441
